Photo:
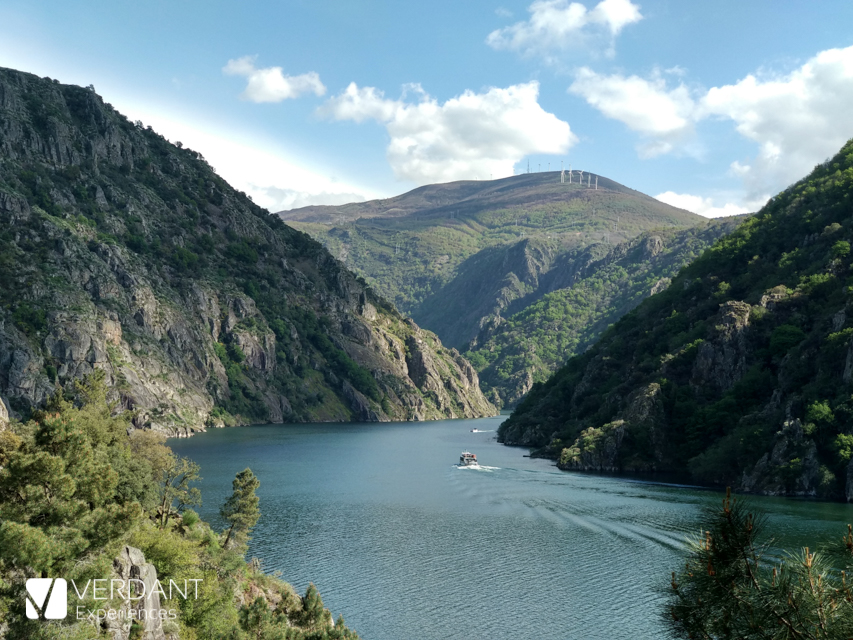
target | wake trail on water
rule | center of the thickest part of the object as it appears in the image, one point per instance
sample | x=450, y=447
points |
x=480, y=467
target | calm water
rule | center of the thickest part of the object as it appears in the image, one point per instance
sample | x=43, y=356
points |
x=409, y=547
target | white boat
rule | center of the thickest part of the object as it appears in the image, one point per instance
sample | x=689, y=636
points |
x=468, y=459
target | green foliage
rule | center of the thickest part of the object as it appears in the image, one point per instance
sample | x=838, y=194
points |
x=841, y=249
x=175, y=487
x=732, y=586
x=784, y=338
x=741, y=368
x=66, y=509
x=241, y=509
x=32, y=321
x=539, y=338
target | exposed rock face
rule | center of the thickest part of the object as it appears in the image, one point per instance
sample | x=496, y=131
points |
x=775, y=475
x=4, y=415
x=722, y=359
x=130, y=567
x=600, y=449
x=123, y=253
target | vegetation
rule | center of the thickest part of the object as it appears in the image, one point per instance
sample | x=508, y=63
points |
x=531, y=344
x=209, y=291
x=432, y=251
x=241, y=509
x=737, y=373
x=733, y=585
x=75, y=488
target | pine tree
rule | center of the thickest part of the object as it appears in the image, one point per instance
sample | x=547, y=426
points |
x=176, y=487
x=730, y=589
x=241, y=509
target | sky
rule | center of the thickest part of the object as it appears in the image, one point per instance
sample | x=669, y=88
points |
x=712, y=107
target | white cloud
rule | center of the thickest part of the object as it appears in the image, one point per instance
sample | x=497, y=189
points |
x=663, y=116
x=270, y=84
x=797, y=120
x=557, y=25
x=472, y=135
x=272, y=179
x=705, y=206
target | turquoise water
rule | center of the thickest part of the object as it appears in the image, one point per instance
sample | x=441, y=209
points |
x=408, y=547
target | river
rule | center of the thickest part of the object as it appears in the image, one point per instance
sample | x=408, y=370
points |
x=409, y=547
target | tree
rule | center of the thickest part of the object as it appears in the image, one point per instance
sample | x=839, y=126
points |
x=241, y=509
x=259, y=622
x=728, y=589
x=176, y=487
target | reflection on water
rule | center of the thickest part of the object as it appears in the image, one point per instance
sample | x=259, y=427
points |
x=408, y=546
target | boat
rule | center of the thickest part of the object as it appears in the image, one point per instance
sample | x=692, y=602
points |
x=475, y=431
x=468, y=459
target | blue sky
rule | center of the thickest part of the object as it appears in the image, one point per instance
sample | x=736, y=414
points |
x=709, y=106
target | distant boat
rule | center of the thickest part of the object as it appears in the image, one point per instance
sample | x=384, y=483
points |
x=468, y=459
x=476, y=430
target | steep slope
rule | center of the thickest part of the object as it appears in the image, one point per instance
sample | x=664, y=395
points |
x=589, y=292
x=738, y=373
x=124, y=252
x=422, y=249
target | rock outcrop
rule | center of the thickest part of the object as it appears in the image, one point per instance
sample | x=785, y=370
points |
x=142, y=604
x=124, y=253
x=736, y=374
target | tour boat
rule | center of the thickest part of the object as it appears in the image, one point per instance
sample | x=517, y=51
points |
x=468, y=459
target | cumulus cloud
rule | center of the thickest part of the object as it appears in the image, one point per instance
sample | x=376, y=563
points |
x=557, y=25
x=663, y=116
x=705, y=206
x=270, y=84
x=275, y=180
x=797, y=120
x=469, y=136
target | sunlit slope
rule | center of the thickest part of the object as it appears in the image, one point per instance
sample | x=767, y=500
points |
x=410, y=246
x=740, y=372
x=586, y=296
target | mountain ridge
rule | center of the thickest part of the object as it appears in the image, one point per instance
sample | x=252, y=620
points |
x=738, y=373
x=420, y=249
x=127, y=253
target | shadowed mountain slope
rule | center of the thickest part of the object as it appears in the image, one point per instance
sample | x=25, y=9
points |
x=738, y=373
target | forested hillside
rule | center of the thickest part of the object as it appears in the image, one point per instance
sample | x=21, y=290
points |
x=457, y=255
x=124, y=252
x=738, y=373
x=594, y=291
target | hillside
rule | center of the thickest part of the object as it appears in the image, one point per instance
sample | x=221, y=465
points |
x=738, y=373
x=588, y=293
x=455, y=255
x=124, y=252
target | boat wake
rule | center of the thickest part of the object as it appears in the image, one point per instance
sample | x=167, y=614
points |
x=482, y=430
x=476, y=467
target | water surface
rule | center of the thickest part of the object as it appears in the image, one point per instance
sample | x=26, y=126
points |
x=409, y=547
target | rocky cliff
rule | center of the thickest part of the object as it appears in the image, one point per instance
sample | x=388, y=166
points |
x=579, y=296
x=454, y=256
x=737, y=373
x=123, y=252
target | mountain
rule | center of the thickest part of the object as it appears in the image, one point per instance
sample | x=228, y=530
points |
x=588, y=294
x=124, y=252
x=738, y=373
x=455, y=256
